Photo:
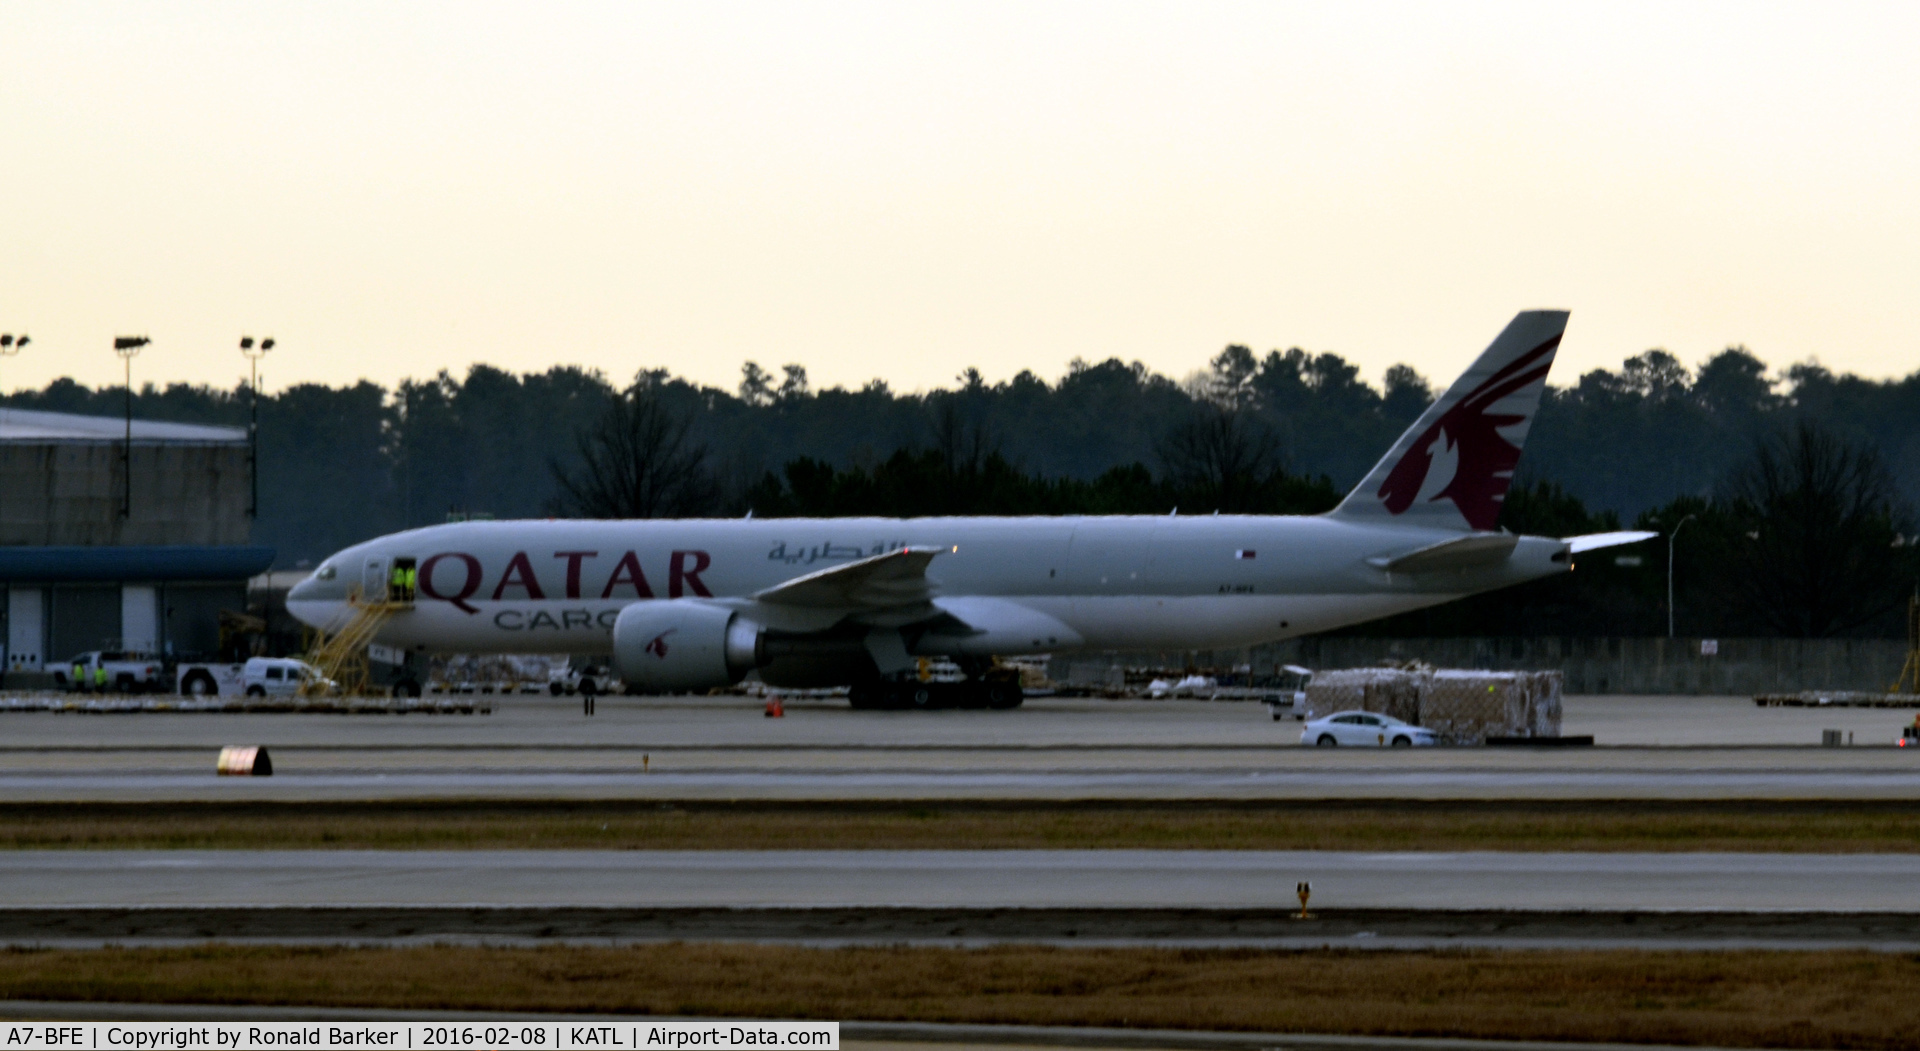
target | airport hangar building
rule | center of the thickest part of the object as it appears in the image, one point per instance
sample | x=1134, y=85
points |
x=111, y=543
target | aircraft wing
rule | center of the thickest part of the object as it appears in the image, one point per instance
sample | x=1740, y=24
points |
x=1596, y=541
x=883, y=582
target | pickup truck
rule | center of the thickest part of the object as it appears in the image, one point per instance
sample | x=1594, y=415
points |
x=125, y=672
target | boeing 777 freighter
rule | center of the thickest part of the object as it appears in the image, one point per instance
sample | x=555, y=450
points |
x=691, y=604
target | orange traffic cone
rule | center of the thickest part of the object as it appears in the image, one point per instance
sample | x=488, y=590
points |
x=776, y=709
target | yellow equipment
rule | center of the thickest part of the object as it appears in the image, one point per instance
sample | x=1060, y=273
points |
x=1909, y=680
x=241, y=632
x=341, y=658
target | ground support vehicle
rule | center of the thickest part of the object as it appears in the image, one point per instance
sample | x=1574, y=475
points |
x=125, y=672
x=593, y=680
x=210, y=679
x=281, y=677
x=1290, y=701
x=258, y=677
x=999, y=687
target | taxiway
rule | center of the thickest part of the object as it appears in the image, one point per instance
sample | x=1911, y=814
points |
x=1111, y=879
x=1669, y=747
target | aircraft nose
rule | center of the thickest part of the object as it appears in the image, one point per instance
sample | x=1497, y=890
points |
x=317, y=601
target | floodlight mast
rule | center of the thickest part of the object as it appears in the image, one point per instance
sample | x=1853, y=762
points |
x=128, y=347
x=10, y=344
x=253, y=355
x=1671, y=537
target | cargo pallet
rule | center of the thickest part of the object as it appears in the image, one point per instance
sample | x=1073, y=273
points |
x=1837, y=699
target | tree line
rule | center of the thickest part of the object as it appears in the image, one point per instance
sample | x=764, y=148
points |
x=1285, y=432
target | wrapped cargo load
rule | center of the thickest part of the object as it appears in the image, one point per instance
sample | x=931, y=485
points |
x=1462, y=706
x=1390, y=691
x=1467, y=707
x=1543, y=700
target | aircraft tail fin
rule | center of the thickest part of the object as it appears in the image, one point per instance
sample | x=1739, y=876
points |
x=1451, y=469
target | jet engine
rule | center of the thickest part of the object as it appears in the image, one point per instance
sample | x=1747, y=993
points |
x=678, y=645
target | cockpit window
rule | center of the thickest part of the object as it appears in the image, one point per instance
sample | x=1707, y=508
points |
x=325, y=572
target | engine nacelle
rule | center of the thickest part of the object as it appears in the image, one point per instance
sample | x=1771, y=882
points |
x=680, y=645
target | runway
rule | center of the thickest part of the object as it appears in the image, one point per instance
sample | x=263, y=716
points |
x=1102, y=879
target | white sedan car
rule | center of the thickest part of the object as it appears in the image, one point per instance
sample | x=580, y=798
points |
x=1369, y=729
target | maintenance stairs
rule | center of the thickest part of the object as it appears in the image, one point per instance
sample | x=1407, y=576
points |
x=1909, y=680
x=341, y=657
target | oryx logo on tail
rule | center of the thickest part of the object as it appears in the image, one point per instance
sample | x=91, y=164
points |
x=1452, y=468
x=1467, y=438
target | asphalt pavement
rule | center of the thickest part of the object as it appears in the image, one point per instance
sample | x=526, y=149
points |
x=724, y=748
x=1112, y=879
x=1378, y=929
x=855, y=1035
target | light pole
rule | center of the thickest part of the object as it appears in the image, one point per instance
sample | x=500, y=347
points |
x=253, y=356
x=10, y=344
x=128, y=347
x=1670, y=539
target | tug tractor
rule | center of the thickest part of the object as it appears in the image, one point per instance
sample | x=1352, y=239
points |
x=593, y=680
x=985, y=685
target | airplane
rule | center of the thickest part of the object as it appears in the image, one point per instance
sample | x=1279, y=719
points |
x=688, y=605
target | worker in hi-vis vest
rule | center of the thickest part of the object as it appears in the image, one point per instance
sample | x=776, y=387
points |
x=100, y=678
x=79, y=679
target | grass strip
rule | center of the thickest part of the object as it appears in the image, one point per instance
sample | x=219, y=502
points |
x=1624, y=825
x=1748, y=999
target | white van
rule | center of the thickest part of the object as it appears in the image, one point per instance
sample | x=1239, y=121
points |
x=280, y=676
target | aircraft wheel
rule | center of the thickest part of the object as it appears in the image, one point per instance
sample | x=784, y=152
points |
x=865, y=697
x=1326, y=741
x=919, y=695
x=406, y=688
x=1004, y=696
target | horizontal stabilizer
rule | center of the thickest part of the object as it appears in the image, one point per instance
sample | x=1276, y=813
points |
x=1596, y=541
x=1461, y=552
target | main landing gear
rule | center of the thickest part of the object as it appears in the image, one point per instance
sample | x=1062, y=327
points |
x=997, y=689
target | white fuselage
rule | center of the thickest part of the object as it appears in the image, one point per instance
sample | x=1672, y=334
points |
x=1022, y=585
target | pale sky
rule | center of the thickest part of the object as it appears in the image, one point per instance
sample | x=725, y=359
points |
x=901, y=190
